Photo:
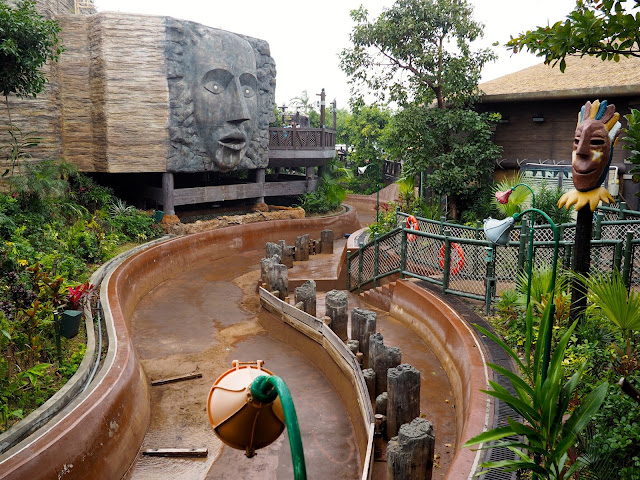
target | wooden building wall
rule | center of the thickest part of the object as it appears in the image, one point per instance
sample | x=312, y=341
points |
x=526, y=141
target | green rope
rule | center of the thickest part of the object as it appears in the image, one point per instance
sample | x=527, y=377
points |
x=265, y=389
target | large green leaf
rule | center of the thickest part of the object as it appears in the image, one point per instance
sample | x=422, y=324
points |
x=489, y=436
x=587, y=409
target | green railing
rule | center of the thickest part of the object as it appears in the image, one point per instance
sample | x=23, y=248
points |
x=462, y=262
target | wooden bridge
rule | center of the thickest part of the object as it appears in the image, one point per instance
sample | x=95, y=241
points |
x=289, y=148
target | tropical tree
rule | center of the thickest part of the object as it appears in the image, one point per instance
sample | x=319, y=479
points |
x=417, y=50
x=302, y=102
x=418, y=54
x=609, y=294
x=453, y=147
x=366, y=130
x=27, y=42
x=604, y=28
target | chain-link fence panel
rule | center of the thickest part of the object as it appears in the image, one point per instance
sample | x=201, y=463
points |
x=389, y=253
x=354, y=261
x=603, y=256
x=423, y=257
x=634, y=266
x=506, y=267
x=467, y=268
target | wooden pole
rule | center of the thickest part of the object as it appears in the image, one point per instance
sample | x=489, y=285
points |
x=410, y=454
x=403, y=389
x=363, y=325
x=581, y=261
x=337, y=307
x=381, y=359
x=167, y=193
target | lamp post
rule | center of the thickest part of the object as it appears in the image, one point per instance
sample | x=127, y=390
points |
x=503, y=197
x=497, y=231
x=361, y=170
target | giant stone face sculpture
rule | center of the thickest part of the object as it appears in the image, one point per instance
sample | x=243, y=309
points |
x=219, y=110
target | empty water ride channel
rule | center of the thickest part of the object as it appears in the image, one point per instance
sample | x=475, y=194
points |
x=204, y=317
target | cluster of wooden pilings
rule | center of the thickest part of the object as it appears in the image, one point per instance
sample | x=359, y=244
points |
x=274, y=274
x=393, y=386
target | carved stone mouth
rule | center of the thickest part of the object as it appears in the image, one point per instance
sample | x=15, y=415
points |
x=233, y=142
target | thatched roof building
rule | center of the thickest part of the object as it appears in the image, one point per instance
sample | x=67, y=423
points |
x=539, y=107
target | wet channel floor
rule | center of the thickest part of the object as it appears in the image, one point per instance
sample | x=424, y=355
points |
x=203, y=319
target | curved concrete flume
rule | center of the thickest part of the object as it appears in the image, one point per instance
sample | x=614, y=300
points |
x=101, y=436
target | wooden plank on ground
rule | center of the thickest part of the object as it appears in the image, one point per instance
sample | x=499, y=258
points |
x=179, y=378
x=176, y=452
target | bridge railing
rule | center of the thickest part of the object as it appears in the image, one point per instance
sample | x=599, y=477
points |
x=295, y=138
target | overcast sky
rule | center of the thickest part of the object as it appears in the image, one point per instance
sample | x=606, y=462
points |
x=306, y=37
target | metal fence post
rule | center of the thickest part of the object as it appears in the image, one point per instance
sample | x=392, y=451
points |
x=566, y=257
x=443, y=219
x=628, y=255
x=447, y=260
x=491, y=281
x=403, y=253
x=348, y=271
x=375, y=262
x=360, y=252
x=622, y=206
x=522, y=247
x=617, y=256
x=597, y=231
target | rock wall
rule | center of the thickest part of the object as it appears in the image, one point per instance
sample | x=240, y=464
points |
x=107, y=105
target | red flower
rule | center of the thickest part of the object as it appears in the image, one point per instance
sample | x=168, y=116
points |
x=503, y=197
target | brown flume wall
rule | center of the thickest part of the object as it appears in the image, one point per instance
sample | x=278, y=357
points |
x=460, y=354
x=101, y=437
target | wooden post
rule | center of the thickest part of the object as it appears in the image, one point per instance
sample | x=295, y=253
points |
x=278, y=279
x=264, y=267
x=382, y=403
x=410, y=454
x=287, y=254
x=167, y=193
x=370, y=379
x=260, y=178
x=337, y=308
x=381, y=359
x=403, y=388
x=302, y=248
x=326, y=241
x=363, y=325
x=306, y=293
x=273, y=249
x=581, y=260
x=352, y=345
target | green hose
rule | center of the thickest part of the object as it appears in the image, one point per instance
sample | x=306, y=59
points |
x=265, y=389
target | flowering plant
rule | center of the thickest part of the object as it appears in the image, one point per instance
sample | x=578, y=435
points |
x=503, y=197
x=79, y=295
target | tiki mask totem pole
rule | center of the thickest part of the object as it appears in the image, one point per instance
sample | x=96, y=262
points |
x=596, y=134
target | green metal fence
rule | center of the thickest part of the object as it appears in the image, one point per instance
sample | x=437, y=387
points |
x=462, y=262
